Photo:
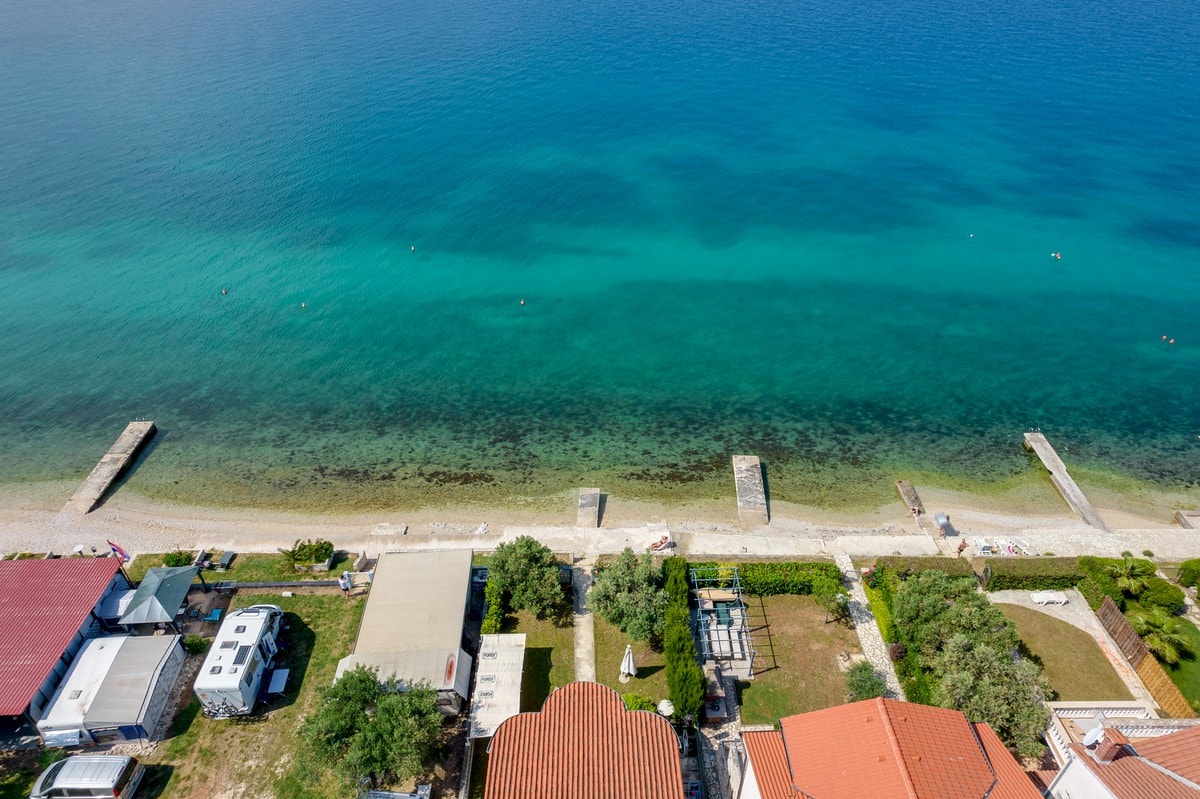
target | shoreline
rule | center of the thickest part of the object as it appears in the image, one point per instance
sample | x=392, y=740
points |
x=31, y=519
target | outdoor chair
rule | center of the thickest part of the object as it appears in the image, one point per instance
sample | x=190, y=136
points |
x=214, y=615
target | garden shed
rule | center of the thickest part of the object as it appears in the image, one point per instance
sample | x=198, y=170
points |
x=116, y=690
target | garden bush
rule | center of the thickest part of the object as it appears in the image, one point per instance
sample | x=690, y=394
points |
x=1033, y=574
x=1160, y=593
x=178, y=558
x=675, y=580
x=307, y=552
x=493, y=620
x=1097, y=583
x=195, y=644
x=526, y=572
x=955, y=567
x=685, y=679
x=771, y=578
x=863, y=683
x=639, y=702
x=882, y=611
x=1189, y=572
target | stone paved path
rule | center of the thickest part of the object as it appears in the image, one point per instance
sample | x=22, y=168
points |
x=866, y=627
x=585, y=635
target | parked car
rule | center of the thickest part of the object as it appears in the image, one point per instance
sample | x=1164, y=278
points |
x=90, y=776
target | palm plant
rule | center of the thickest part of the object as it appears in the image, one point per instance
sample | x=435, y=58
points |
x=1132, y=575
x=1162, y=633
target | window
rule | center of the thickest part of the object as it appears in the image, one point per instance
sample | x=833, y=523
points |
x=215, y=670
x=74, y=694
x=241, y=628
x=228, y=644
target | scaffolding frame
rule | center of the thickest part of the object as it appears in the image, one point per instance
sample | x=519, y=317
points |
x=722, y=629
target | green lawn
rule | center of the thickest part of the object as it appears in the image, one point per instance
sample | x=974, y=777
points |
x=651, y=680
x=196, y=759
x=249, y=568
x=549, y=657
x=1186, y=673
x=797, y=669
x=1073, y=664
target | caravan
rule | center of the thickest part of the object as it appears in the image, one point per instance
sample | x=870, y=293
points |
x=245, y=647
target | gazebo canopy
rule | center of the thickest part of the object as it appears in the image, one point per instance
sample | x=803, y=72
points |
x=159, y=595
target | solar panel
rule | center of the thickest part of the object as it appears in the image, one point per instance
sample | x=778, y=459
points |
x=243, y=653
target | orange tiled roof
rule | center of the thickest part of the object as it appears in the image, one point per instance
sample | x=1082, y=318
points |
x=1178, y=752
x=584, y=744
x=884, y=749
x=1011, y=780
x=1130, y=777
x=888, y=750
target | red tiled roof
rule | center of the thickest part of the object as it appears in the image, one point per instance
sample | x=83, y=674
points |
x=1011, y=780
x=584, y=744
x=1178, y=752
x=888, y=750
x=43, y=603
x=1130, y=777
x=1042, y=778
x=769, y=760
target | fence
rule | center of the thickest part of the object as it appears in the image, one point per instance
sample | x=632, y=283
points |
x=1165, y=692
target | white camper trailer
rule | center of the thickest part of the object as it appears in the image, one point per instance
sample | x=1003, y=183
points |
x=245, y=647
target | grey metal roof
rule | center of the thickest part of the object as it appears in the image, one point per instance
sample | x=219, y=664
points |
x=159, y=595
x=129, y=683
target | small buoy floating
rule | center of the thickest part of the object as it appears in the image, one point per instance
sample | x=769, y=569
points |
x=224, y=291
x=522, y=302
x=304, y=305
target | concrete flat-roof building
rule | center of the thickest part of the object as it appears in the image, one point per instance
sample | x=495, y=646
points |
x=412, y=626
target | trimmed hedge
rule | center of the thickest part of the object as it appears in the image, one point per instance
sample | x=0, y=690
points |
x=770, y=579
x=1189, y=572
x=882, y=611
x=1097, y=583
x=1033, y=574
x=955, y=567
x=1161, y=594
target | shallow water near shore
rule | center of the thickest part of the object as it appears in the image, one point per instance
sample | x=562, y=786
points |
x=818, y=233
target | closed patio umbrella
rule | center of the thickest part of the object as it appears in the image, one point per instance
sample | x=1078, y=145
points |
x=628, y=667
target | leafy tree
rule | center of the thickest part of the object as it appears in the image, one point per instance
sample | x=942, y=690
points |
x=527, y=572
x=921, y=603
x=1132, y=575
x=990, y=685
x=863, y=683
x=627, y=594
x=1162, y=633
x=362, y=726
x=831, y=595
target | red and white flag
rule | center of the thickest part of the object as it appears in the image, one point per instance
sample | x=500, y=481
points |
x=122, y=554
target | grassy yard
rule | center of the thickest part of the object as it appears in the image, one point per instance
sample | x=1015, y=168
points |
x=249, y=568
x=256, y=756
x=1072, y=662
x=1186, y=673
x=799, y=652
x=651, y=680
x=549, y=657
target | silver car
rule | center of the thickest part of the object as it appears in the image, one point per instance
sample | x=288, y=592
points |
x=90, y=776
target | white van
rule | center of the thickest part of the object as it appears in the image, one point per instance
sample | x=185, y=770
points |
x=90, y=776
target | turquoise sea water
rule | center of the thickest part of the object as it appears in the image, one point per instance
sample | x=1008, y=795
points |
x=816, y=231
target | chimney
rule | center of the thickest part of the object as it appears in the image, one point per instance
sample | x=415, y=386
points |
x=1111, y=746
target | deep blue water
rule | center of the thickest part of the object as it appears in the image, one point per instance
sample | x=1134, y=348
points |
x=816, y=231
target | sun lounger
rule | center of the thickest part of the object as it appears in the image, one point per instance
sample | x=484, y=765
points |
x=1048, y=598
x=983, y=546
x=1023, y=547
x=1004, y=548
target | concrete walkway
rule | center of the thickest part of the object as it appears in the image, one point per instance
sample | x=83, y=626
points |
x=873, y=645
x=1077, y=614
x=585, y=631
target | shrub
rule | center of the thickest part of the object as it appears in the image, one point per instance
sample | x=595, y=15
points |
x=1148, y=553
x=897, y=652
x=639, y=702
x=883, y=613
x=178, y=558
x=675, y=580
x=955, y=567
x=1041, y=574
x=916, y=684
x=493, y=597
x=307, y=552
x=1160, y=593
x=1098, y=583
x=685, y=679
x=195, y=644
x=863, y=683
x=770, y=579
x=1189, y=572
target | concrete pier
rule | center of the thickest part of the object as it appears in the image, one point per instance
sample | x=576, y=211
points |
x=119, y=456
x=1062, y=480
x=588, y=514
x=751, y=493
x=1188, y=518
